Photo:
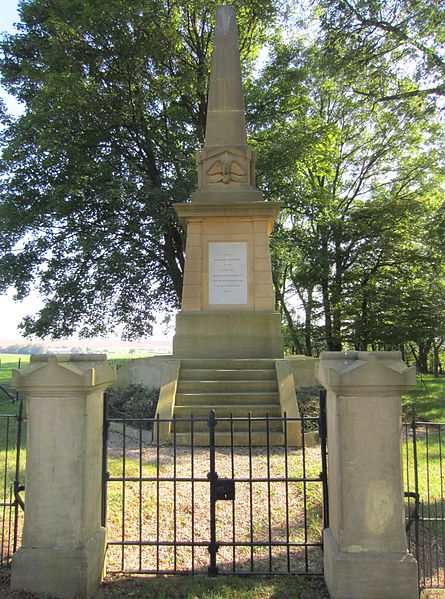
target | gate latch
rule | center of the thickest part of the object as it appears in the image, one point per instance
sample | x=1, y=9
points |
x=225, y=489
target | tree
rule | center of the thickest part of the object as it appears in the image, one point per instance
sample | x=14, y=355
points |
x=115, y=103
x=408, y=35
x=355, y=179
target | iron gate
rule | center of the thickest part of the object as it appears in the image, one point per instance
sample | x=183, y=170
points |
x=172, y=509
x=424, y=469
x=11, y=503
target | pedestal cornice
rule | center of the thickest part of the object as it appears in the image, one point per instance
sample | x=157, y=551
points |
x=51, y=375
x=365, y=373
x=267, y=210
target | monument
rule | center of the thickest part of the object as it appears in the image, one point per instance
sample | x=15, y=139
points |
x=227, y=301
x=228, y=347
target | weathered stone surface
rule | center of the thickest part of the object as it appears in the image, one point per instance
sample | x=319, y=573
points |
x=365, y=546
x=63, y=547
x=227, y=335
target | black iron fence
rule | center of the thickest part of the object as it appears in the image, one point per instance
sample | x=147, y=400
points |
x=7, y=393
x=11, y=474
x=223, y=507
x=424, y=468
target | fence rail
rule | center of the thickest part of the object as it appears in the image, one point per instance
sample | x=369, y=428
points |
x=11, y=475
x=251, y=509
x=424, y=468
x=7, y=393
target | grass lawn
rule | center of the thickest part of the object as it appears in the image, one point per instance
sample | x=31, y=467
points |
x=428, y=398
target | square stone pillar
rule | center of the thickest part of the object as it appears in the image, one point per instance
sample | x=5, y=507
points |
x=63, y=545
x=365, y=546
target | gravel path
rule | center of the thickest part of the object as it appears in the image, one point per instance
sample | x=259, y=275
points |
x=264, y=512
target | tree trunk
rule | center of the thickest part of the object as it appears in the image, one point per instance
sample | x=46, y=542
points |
x=437, y=344
x=288, y=316
x=309, y=306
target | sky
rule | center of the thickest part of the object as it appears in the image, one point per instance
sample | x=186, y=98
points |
x=11, y=313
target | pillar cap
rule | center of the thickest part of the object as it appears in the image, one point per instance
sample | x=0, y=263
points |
x=63, y=375
x=365, y=373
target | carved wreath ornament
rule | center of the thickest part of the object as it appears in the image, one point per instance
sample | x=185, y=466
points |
x=225, y=171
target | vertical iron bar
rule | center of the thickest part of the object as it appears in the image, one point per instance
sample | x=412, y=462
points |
x=105, y=428
x=423, y=546
x=416, y=488
x=323, y=432
x=17, y=393
x=407, y=482
x=124, y=452
x=250, y=490
x=192, y=455
x=213, y=569
x=233, y=502
x=303, y=454
x=5, y=487
x=269, y=511
x=437, y=540
x=175, y=547
x=10, y=523
x=441, y=505
x=286, y=476
x=427, y=441
x=17, y=473
x=140, y=494
x=157, y=493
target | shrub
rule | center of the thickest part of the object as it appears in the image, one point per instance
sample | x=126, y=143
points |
x=133, y=401
x=308, y=399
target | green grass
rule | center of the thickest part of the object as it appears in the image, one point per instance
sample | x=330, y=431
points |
x=431, y=464
x=428, y=398
x=202, y=587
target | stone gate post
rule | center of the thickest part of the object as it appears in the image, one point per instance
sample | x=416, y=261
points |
x=63, y=546
x=365, y=547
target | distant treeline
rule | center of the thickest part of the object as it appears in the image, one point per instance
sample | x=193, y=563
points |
x=28, y=348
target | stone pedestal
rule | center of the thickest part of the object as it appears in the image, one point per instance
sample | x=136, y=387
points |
x=365, y=547
x=63, y=547
x=227, y=299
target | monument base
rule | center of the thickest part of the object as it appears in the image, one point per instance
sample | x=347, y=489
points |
x=368, y=574
x=61, y=571
x=228, y=335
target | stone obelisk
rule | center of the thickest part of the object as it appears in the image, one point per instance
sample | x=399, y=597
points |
x=227, y=302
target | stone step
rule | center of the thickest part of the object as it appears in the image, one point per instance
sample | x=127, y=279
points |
x=201, y=374
x=240, y=426
x=222, y=399
x=237, y=411
x=228, y=364
x=224, y=439
x=226, y=386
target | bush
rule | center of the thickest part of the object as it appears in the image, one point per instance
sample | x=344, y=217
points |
x=133, y=401
x=308, y=399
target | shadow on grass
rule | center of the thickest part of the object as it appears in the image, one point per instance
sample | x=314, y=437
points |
x=203, y=587
x=192, y=587
x=428, y=397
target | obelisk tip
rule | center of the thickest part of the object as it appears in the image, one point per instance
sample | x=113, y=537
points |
x=226, y=125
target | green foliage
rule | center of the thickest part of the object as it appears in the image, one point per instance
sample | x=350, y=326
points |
x=406, y=36
x=345, y=114
x=133, y=401
x=361, y=185
x=115, y=100
x=309, y=400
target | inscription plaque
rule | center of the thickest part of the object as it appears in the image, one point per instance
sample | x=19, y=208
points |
x=228, y=272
